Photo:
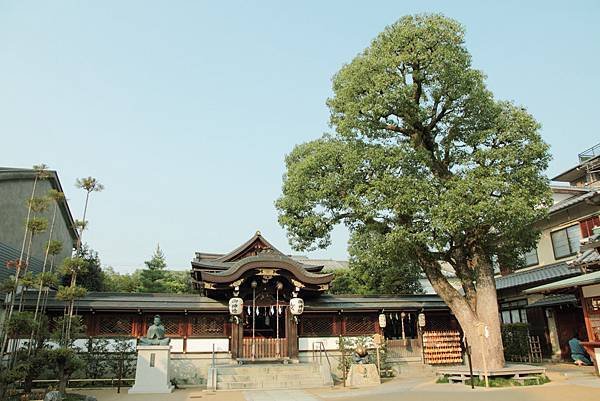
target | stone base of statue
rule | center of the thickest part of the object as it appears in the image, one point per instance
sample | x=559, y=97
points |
x=152, y=370
x=363, y=375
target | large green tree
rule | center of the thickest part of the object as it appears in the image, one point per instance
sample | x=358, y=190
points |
x=425, y=162
x=91, y=278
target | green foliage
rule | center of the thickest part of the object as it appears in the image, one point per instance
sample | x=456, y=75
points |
x=74, y=265
x=28, y=280
x=347, y=345
x=152, y=278
x=54, y=247
x=90, y=274
x=120, y=282
x=47, y=279
x=70, y=293
x=8, y=285
x=89, y=184
x=172, y=282
x=343, y=282
x=507, y=382
x=104, y=361
x=38, y=205
x=21, y=324
x=515, y=338
x=442, y=379
x=178, y=282
x=65, y=362
x=424, y=164
x=37, y=225
x=58, y=325
x=55, y=195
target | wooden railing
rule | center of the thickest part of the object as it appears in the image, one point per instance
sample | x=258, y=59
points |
x=408, y=348
x=265, y=348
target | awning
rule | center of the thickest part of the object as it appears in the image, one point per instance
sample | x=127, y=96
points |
x=554, y=300
x=584, y=279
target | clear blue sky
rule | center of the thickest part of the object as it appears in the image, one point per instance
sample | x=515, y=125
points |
x=185, y=110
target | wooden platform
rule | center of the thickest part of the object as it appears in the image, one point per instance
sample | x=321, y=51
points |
x=461, y=373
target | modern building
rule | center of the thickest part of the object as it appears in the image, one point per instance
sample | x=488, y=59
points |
x=571, y=220
x=16, y=188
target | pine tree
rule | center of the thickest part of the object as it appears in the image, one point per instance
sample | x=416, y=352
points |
x=153, y=277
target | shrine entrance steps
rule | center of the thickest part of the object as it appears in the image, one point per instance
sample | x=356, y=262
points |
x=272, y=376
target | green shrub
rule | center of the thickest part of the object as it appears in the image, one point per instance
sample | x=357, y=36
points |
x=515, y=337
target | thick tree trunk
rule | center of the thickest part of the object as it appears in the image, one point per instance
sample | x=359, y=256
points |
x=473, y=314
x=473, y=325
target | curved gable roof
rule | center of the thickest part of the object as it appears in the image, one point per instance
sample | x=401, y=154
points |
x=266, y=261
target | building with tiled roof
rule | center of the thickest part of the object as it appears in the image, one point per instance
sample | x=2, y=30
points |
x=559, y=255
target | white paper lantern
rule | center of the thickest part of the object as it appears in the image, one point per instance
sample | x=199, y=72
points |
x=236, y=306
x=297, y=306
x=382, y=321
x=421, y=320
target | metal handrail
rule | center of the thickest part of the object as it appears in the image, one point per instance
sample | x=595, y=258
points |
x=322, y=350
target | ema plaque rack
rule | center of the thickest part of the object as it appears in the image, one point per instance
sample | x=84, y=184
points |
x=442, y=347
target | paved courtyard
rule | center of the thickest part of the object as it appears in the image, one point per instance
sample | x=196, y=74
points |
x=568, y=383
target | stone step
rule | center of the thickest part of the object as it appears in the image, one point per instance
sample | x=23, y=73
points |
x=296, y=384
x=269, y=376
x=278, y=377
x=261, y=370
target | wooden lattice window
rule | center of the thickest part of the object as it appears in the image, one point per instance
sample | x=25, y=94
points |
x=173, y=326
x=114, y=325
x=207, y=325
x=359, y=325
x=314, y=326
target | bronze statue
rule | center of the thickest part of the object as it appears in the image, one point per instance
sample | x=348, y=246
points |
x=360, y=356
x=156, y=334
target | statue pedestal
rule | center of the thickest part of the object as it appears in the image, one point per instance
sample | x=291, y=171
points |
x=363, y=375
x=152, y=370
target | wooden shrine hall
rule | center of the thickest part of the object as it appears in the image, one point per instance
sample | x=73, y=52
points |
x=283, y=312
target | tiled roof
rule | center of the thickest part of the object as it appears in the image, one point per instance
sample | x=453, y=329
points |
x=111, y=301
x=572, y=201
x=588, y=256
x=554, y=299
x=584, y=279
x=536, y=276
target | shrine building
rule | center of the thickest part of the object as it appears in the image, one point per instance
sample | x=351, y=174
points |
x=267, y=325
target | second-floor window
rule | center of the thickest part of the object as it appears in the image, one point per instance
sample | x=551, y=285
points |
x=565, y=242
x=531, y=258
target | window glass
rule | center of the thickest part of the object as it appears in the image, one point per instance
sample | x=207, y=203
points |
x=515, y=316
x=505, y=316
x=573, y=233
x=523, y=316
x=531, y=257
x=560, y=243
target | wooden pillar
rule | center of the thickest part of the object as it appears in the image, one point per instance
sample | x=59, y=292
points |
x=586, y=316
x=291, y=331
x=237, y=335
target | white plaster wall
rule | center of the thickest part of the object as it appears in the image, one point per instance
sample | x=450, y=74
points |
x=206, y=344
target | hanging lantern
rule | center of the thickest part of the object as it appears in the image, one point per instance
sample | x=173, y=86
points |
x=421, y=320
x=297, y=306
x=382, y=321
x=236, y=306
